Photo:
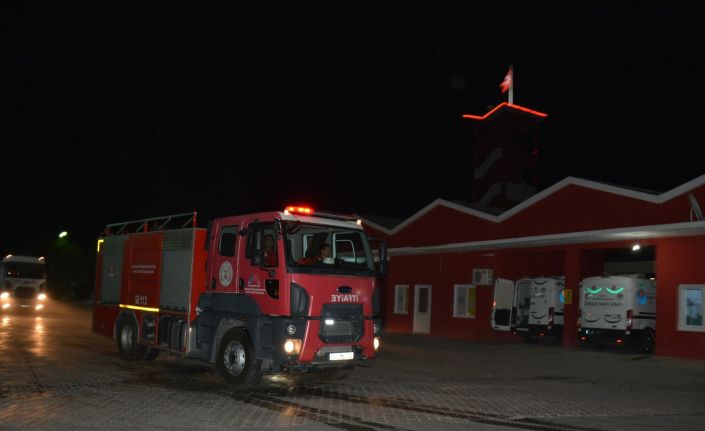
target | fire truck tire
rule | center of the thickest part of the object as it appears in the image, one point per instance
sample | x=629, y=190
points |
x=236, y=362
x=647, y=341
x=127, y=342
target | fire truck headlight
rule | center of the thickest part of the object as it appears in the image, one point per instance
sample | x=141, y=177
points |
x=4, y=295
x=39, y=306
x=376, y=343
x=292, y=346
x=291, y=329
x=42, y=296
x=5, y=306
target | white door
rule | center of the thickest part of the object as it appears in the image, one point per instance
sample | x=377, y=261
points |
x=422, y=308
x=503, y=305
x=524, y=304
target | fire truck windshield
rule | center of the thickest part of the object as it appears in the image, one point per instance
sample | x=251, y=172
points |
x=327, y=249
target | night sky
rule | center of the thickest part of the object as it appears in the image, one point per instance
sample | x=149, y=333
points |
x=124, y=111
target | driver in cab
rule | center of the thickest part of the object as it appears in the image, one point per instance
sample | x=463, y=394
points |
x=324, y=256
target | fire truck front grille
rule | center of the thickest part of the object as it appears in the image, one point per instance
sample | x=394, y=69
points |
x=25, y=292
x=341, y=323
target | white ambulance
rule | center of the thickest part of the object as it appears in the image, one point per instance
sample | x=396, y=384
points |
x=531, y=307
x=546, y=309
x=618, y=310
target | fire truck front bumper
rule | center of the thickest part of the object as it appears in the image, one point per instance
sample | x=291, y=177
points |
x=312, y=352
x=332, y=357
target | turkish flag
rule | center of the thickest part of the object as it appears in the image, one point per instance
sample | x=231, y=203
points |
x=507, y=83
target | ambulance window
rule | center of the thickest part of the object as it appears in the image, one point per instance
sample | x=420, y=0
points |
x=228, y=235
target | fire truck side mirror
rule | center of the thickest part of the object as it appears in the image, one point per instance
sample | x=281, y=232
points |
x=257, y=247
x=383, y=259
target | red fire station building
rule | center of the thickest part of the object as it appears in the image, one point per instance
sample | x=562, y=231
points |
x=446, y=256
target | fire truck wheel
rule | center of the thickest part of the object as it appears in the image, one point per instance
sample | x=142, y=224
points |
x=647, y=341
x=127, y=344
x=236, y=362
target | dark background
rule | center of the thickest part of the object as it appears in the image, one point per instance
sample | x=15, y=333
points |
x=126, y=110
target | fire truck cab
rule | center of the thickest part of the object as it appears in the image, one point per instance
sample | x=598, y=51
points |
x=290, y=291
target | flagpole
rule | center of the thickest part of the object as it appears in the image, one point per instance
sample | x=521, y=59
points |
x=511, y=86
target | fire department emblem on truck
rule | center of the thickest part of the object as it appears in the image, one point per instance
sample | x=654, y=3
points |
x=253, y=286
x=226, y=274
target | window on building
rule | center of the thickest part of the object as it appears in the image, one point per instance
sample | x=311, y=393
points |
x=690, y=307
x=465, y=301
x=401, y=299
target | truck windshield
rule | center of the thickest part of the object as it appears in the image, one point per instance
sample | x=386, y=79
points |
x=327, y=249
x=24, y=270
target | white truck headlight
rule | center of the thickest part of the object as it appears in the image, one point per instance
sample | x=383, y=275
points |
x=292, y=346
x=42, y=296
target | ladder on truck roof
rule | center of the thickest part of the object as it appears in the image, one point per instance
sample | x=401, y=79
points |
x=174, y=221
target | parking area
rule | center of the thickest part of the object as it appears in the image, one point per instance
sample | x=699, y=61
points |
x=55, y=374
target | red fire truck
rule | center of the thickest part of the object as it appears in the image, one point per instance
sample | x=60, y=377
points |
x=250, y=294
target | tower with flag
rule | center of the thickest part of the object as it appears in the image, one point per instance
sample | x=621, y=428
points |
x=505, y=144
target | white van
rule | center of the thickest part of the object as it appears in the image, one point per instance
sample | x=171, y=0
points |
x=529, y=307
x=546, y=316
x=618, y=310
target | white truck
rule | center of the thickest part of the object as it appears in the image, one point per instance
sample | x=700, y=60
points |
x=22, y=283
x=618, y=310
x=531, y=307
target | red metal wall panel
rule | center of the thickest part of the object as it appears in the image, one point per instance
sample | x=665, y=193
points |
x=444, y=271
x=678, y=261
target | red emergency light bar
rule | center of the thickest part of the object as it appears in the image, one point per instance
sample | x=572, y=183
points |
x=501, y=105
x=299, y=210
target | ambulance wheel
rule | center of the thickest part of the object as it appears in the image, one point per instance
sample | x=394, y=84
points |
x=127, y=342
x=647, y=341
x=236, y=362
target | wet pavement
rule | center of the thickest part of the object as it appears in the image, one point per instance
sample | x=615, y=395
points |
x=55, y=374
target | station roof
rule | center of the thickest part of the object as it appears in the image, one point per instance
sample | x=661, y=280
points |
x=498, y=217
x=636, y=233
x=505, y=109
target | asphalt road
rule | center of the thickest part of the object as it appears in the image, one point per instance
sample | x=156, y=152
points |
x=55, y=374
